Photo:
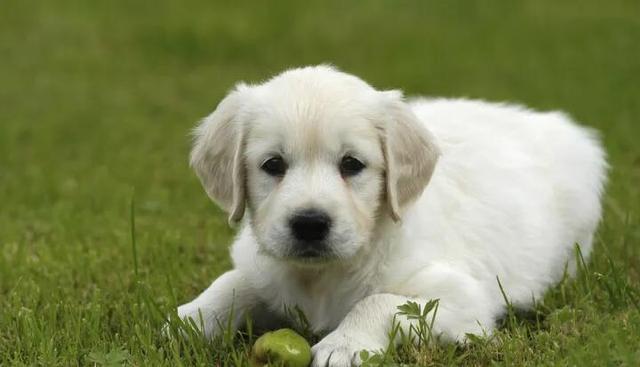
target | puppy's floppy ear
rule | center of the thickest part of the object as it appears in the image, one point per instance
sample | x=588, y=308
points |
x=217, y=154
x=410, y=153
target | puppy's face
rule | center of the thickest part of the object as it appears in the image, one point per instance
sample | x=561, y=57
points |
x=316, y=156
x=315, y=173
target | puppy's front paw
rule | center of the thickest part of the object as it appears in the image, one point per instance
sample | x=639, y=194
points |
x=341, y=350
x=195, y=317
x=190, y=311
x=186, y=315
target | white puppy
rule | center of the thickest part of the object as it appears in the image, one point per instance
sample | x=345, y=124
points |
x=353, y=201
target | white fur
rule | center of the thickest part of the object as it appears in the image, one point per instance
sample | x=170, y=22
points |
x=512, y=191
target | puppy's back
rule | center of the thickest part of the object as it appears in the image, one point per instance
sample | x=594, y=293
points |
x=515, y=187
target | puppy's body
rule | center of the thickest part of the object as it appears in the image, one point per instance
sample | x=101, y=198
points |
x=512, y=191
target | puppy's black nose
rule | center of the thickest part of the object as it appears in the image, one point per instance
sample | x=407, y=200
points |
x=310, y=225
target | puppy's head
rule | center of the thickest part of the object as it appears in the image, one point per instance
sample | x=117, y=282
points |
x=315, y=156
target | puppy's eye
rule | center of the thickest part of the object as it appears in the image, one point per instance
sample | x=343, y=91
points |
x=275, y=166
x=350, y=166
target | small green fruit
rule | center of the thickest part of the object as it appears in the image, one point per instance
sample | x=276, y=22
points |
x=282, y=347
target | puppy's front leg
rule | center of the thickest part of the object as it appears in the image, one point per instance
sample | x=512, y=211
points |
x=366, y=327
x=228, y=296
x=369, y=323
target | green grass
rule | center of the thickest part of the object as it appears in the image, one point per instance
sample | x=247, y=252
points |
x=97, y=99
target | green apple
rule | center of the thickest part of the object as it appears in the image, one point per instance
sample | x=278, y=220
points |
x=282, y=347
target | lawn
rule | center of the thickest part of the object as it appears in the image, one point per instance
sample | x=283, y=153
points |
x=97, y=99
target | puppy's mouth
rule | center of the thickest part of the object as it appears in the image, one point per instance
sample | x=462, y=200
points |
x=311, y=252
